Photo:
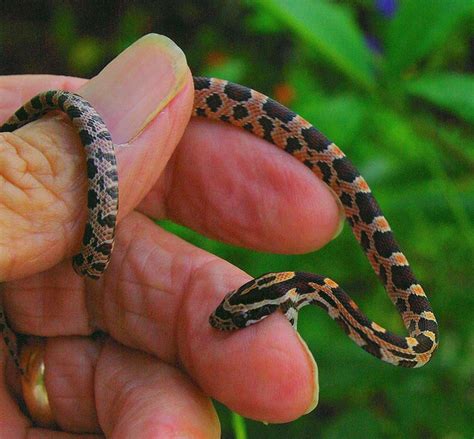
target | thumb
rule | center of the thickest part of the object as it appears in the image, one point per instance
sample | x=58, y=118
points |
x=43, y=182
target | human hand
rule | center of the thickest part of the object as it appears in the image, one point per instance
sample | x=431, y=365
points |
x=162, y=359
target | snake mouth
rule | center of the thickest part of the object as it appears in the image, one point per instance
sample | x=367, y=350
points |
x=213, y=321
x=222, y=324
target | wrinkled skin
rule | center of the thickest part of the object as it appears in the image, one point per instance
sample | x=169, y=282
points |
x=161, y=360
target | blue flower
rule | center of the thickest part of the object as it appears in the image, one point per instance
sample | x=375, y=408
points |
x=373, y=44
x=386, y=7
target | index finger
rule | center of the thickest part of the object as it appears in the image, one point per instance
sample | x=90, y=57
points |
x=231, y=185
x=156, y=296
x=223, y=182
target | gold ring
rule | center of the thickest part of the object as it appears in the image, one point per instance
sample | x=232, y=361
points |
x=32, y=382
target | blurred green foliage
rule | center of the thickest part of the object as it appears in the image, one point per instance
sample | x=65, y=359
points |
x=392, y=83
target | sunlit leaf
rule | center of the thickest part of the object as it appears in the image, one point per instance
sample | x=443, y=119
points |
x=331, y=30
x=85, y=55
x=450, y=91
x=419, y=27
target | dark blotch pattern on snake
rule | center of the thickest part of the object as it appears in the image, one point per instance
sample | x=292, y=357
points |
x=288, y=291
x=102, y=197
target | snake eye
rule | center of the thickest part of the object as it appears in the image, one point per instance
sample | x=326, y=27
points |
x=240, y=319
x=266, y=310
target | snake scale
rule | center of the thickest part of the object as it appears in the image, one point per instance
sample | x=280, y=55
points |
x=288, y=291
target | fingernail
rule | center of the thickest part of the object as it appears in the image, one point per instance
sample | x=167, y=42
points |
x=132, y=89
x=342, y=216
x=314, y=366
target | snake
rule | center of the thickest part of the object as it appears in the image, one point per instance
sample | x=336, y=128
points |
x=288, y=292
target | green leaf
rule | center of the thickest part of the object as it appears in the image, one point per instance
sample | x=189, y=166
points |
x=359, y=423
x=330, y=30
x=85, y=55
x=238, y=425
x=133, y=24
x=340, y=118
x=262, y=22
x=64, y=26
x=233, y=69
x=420, y=27
x=451, y=91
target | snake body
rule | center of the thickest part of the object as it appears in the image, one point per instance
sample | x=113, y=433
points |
x=288, y=291
x=102, y=195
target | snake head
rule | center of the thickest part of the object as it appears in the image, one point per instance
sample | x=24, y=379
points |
x=245, y=306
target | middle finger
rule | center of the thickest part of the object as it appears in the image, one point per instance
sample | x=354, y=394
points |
x=157, y=296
